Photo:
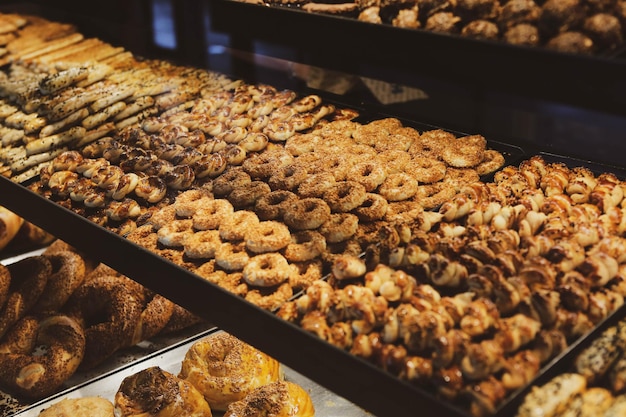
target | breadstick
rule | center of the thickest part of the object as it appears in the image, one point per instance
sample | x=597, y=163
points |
x=57, y=81
x=73, y=118
x=34, y=125
x=36, y=159
x=6, y=26
x=123, y=92
x=18, y=119
x=10, y=136
x=168, y=100
x=9, y=155
x=59, y=54
x=29, y=173
x=138, y=105
x=95, y=134
x=77, y=102
x=49, y=142
x=52, y=46
x=103, y=115
x=119, y=60
x=136, y=118
x=6, y=110
x=97, y=72
x=5, y=171
x=95, y=53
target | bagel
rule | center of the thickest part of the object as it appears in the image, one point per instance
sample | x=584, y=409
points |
x=367, y=173
x=340, y=227
x=68, y=272
x=109, y=309
x=398, y=187
x=234, y=228
x=272, y=206
x=248, y=195
x=288, y=177
x=202, y=244
x=373, y=208
x=307, y=213
x=225, y=369
x=181, y=318
x=266, y=270
x=267, y=236
x=154, y=317
x=464, y=152
x=278, y=399
x=29, y=277
x=33, y=375
x=156, y=392
x=212, y=214
x=345, y=196
x=270, y=298
x=305, y=246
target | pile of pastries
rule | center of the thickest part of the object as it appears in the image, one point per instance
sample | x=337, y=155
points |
x=594, y=385
x=572, y=26
x=416, y=249
x=218, y=373
x=62, y=312
x=471, y=305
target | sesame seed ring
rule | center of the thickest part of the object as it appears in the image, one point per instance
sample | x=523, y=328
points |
x=267, y=236
x=266, y=270
x=305, y=246
x=307, y=214
x=272, y=206
x=398, y=187
x=345, y=196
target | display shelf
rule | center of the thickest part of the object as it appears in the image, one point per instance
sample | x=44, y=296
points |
x=412, y=56
x=170, y=359
x=346, y=375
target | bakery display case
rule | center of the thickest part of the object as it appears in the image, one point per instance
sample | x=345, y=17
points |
x=411, y=58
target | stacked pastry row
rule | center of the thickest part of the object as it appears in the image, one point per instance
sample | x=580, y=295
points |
x=472, y=301
x=572, y=26
x=594, y=386
x=62, y=312
x=61, y=91
x=309, y=181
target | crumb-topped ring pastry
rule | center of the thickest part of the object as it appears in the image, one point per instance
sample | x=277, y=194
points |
x=225, y=369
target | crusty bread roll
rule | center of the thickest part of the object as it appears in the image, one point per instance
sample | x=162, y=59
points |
x=158, y=393
x=278, y=399
x=80, y=407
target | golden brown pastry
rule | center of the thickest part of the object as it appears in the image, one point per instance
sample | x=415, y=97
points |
x=278, y=399
x=79, y=407
x=155, y=392
x=10, y=224
x=225, y=369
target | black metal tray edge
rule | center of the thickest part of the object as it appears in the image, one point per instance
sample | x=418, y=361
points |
x=595, y=167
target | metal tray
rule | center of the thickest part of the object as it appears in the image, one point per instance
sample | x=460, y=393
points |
x=413, y=57
x=326, y=403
